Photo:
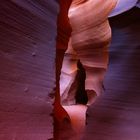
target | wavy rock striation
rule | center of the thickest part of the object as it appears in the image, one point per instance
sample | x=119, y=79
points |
x=91, y=35
x=28, y=32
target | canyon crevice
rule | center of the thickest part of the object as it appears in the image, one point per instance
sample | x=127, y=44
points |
x=57, y=57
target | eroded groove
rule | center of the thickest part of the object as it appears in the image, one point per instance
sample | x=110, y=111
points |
x=61, y=118
x=81, y=95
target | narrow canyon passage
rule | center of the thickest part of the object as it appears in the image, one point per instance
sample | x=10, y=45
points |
x=32, y=37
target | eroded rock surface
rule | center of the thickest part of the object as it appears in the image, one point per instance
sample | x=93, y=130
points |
x=28, y=31
x=91, y=35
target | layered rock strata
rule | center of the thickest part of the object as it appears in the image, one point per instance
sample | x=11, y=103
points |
x=28, y=31
x=91, y=35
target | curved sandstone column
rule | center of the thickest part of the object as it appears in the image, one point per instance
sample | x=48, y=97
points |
x=91, y=35
x=86, y=59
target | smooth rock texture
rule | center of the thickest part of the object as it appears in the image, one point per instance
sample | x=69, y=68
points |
x=99, y=124
x=34, y=37
x=90, y=39
x=115, y=115
x=94, y=58
x=28, y=31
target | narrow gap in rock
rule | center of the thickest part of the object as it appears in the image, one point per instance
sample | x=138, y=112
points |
x=81, y=95
x=62, y=125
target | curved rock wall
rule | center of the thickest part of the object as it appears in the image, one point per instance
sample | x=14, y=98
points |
x=28, y=32
x=90, y=38
x=89, y=42
x=34, y=38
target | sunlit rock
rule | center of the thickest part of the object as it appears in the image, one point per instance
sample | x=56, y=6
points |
x=91, y=35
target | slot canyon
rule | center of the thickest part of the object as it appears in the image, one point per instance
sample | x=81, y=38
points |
x=69, y=70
